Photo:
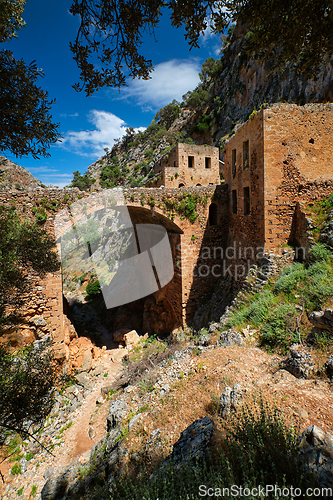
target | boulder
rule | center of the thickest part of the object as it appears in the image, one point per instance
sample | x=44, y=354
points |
x=84, y=380
x=118, y=336
x=299, y=362
x=131, y=338
x=193, y=441
x=38, y=321
x=117, y=413
x=230, y=337
x=322, y=319
x=329, y=367
x=316, y=452
x=229, y=400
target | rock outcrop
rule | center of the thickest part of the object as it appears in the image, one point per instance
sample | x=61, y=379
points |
x=16, y=178
x=299, y=362
x=316, y=452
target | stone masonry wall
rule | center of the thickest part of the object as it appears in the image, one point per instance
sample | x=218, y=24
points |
x=43, y=309
x=290, y=161
x=298, y=162
x=246, y=230
x=192, y=237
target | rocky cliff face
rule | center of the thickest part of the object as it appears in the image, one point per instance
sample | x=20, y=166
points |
x=243, y=85
x=16, y=178
x=231, y=88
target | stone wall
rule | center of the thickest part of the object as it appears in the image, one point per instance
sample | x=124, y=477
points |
x=246, y=229
x=298, y=156
x=193, y=276
x=43, y=309
x=290, y=161
x=202, y=169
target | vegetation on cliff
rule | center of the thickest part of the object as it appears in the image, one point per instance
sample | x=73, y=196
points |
x=232, y=89
x=26, y=377
x=280, y=312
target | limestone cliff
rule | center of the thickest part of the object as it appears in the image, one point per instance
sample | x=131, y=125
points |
x=232, y=87
x=16, y=178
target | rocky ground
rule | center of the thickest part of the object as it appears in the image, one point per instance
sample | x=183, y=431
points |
x=151, y=411
x=76, y=423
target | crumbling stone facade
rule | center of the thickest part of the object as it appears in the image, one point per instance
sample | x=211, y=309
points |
x=283, y=155
x=189, y=165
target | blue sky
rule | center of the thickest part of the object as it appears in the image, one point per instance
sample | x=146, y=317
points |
x=90, y=124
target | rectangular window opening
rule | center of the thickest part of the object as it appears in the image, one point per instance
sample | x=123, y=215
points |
x=247, y=204
x=233, y=163
x=208, y=162
x=246, y=155
x=190, y=161
x=234, y=201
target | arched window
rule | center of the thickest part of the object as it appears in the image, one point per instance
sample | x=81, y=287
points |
x=213, y=214
x=198, y=184
x=181, y=185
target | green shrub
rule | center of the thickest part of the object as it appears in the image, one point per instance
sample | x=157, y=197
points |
x=16, y=469
x=319, y=252
x=279, y=330
x=256, y=312
x=41, y=216
x=203, y=125
x=263, y=448
x=259, y=448
x=318, y=286
x=83, y=182
x=110, y=174
x=289, y=278
x=328, y=202
x=93, y=288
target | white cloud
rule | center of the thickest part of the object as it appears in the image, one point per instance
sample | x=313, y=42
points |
x=36, y=170
x=170, y=80
x=47, y=178
x=65, y=115
x=91, y=143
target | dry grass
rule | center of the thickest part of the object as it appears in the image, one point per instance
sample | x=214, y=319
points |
x=197, y=395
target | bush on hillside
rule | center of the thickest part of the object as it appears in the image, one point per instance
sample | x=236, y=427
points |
x=27, y=380
x=256, y=312
x=83, y=182
x=279, y=330
x=93, y=288
x=260, y=448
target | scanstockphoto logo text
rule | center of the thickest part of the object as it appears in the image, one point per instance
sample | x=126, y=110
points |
x=268, y=490
x=235, y=261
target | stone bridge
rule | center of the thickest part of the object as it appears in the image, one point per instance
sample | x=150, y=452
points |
x=195, y=219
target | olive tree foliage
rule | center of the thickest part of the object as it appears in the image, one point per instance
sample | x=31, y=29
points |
x=111, y=33
x=11, y=18
x=107, y=44
x=26, y=385
x=26, y=123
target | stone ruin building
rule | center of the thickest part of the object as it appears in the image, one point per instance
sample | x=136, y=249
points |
x=280, y=158
x=189, y=165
